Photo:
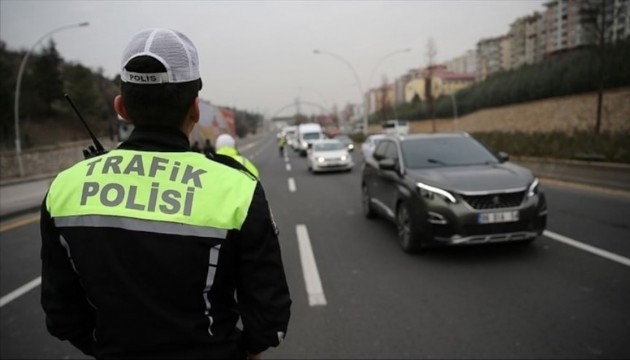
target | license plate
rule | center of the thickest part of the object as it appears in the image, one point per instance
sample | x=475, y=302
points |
x=498, y=217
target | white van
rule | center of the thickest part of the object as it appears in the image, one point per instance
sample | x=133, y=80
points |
x=306, y=134
x=396, y=127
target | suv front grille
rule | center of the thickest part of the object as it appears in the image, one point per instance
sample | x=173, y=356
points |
x=495, y=201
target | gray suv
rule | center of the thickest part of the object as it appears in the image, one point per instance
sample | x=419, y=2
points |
x=448, y=189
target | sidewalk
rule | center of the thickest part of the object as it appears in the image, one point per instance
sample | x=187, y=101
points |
x=23, y=196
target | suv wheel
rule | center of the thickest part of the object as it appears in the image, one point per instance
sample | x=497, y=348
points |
x=366, y=202
x=408, y=233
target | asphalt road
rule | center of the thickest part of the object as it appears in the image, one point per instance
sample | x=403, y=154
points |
x=360, y=296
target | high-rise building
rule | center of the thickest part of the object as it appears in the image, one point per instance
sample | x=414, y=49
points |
x=569, y=24
x=525, y=39
x=442, y=83
x=466, y=63
x=493, y=55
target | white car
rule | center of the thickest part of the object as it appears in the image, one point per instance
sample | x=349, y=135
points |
x=396, y=127
x=367, y=148
x=329, y=155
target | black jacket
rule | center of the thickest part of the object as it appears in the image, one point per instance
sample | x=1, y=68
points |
x=117, y=293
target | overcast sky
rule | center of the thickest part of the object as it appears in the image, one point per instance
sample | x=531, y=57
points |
x=258, y=55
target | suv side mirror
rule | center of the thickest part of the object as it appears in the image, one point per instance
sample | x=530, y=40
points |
x=503, y=156
x=387, y=164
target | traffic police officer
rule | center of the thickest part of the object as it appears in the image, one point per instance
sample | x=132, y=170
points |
x=152, y=250
x=226, y=145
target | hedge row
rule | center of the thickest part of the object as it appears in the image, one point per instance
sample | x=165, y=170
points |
x=581, y=145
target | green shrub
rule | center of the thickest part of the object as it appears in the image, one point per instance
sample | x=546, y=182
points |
x=581, y=145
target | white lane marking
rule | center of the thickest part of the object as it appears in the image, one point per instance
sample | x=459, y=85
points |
x=286, y=158
x=20, y=291
x=291, y=185
x=593, y=250
x=314, y=288
x=288, y=167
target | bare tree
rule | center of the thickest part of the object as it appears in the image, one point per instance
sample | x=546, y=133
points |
x=431, y=52
x=383, y=101
x=599, y=16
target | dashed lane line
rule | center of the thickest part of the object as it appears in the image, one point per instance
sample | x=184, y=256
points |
x=292, y=185
x=20, y=291
x=312, y=280
x=288, y=167
x=588, y=248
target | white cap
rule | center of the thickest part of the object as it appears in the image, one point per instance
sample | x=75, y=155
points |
x=171, y=48
x=225, y=140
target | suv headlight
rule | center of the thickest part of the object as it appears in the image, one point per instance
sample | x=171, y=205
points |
x=320, y=159
x=428, y=191
x=533, y=188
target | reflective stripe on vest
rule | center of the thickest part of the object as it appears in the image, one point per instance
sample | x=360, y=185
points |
x=173, y=193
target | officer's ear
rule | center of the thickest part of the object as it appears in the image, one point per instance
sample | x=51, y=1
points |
x=194, y=112
x=120, y=108
x=192, y=117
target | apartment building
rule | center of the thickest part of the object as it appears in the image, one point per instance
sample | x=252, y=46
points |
x=525, y=36
x=466, y=63
x=570, y=24
x=621, y=20
x=383, y=96
x=561, y=26
x=493, y=55
x=399, y=88
x=443, y=83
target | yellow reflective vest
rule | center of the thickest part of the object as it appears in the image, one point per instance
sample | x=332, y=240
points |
x=233, y=153
x=174, y=189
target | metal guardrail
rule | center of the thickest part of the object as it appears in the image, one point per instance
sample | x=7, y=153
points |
x=608, y=175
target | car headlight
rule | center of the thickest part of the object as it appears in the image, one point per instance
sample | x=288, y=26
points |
x=350, y=146
x=321, y=159
x=533, y=188
x=304, y=144
x=344, y=158
x=430, y=192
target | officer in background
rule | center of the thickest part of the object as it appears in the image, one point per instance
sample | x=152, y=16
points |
x=226, y=145
x=154, y=251
x=282, y=141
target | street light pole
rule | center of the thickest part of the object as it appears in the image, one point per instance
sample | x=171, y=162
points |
x=362, y=96
x=383, y=59
x=18, y=145
x=376, y=67
x=454, y=102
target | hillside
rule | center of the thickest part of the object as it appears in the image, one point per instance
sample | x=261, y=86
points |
x=564, y=114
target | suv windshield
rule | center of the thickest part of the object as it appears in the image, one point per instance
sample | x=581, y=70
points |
x=445, y=151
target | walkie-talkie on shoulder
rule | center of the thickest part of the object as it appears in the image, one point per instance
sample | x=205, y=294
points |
x=92, y=150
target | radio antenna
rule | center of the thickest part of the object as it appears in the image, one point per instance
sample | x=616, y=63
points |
x=97, y=144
